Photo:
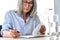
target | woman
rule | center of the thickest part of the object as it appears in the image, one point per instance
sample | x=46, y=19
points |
x=23, y=21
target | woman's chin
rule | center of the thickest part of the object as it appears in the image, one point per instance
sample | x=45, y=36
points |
x=26, y=11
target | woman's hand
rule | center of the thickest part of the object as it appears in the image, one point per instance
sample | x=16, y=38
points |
x=14, y=33
x=42, y=30
x=11, y=34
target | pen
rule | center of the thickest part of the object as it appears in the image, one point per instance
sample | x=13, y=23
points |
x=14, y=29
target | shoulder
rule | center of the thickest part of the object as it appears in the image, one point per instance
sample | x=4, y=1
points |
x=10, y=12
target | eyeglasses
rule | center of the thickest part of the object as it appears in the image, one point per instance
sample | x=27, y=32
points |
x=28, y=3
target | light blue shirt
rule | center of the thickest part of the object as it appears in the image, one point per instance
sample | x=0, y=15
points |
x=12, y=20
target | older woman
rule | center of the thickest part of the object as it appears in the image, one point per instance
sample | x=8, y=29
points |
x=22, y=21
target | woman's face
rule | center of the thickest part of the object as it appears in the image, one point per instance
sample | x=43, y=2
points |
x=26, y=5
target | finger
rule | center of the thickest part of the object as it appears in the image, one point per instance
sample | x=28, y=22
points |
x=12, y=31
x=17, y=34
x=13, y=35
x=15, y=30
x=43, y=27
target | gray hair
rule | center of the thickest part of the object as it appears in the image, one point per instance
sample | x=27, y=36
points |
x=32, y=13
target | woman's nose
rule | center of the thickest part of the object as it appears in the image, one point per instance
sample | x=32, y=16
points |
x=27, y=5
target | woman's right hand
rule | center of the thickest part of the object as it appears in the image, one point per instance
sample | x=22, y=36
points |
x=11, y=34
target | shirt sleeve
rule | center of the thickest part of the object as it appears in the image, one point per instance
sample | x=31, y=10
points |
x=37, y=24
x=7, y=22
x=37, y=21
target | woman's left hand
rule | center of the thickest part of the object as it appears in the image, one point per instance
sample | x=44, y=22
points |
x=42, y=30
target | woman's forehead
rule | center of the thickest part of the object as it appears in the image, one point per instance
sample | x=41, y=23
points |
x=28, y=0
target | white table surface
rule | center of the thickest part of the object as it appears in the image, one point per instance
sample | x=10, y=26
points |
x=39, y=38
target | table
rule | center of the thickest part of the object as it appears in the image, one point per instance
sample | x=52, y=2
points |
x=39, y=38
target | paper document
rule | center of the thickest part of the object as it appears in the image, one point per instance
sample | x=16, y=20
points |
x=35, y=33
x=31, y=36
